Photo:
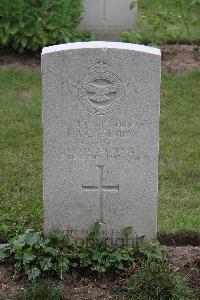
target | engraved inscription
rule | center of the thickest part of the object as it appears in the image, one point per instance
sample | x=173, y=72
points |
x=102, y=90
x=102, y=140
x=101, y=188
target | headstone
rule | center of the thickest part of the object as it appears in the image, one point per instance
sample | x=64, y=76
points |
x=101, y=136
x=109, y=17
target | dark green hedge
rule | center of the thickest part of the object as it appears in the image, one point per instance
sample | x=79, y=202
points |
x=32, y=24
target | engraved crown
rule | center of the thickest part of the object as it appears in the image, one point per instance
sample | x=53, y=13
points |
x=101, y=66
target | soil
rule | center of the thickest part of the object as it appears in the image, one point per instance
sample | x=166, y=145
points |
x=180, y=239
x=9, y=58
x=79, y=287
x=176, y=59
x=187, y=261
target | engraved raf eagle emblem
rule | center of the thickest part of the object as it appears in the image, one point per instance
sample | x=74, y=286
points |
x=101, y=91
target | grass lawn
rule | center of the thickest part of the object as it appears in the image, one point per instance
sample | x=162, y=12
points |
x=169, y=21
x=21, y=203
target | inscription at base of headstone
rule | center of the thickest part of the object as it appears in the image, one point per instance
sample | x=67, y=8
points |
x=109, y=17
x=101, y=135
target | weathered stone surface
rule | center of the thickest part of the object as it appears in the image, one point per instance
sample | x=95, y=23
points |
x=108, y=17
x=101, y=135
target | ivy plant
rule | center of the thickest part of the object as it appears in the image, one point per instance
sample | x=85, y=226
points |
x=35, y=255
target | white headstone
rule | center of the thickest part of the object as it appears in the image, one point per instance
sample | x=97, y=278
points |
x=101, y=135
x=109, y=17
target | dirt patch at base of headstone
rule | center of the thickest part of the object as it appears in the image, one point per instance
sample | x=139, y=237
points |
x=76, y=286
x=9, y=58
x=180, y=239
x=176, y=59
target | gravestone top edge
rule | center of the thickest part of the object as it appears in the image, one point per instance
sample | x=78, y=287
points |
x=101, y=45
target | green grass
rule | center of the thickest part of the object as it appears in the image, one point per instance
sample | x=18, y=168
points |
x=21, y=152
x=157, y=281
x=21, y=204
x=179, y=189
x=172, y=32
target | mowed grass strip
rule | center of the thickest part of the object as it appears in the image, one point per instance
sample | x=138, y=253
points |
x=179, y=176
x=21, y=204
x=21, y=152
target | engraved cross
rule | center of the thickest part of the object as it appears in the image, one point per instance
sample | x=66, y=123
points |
x=101, y=188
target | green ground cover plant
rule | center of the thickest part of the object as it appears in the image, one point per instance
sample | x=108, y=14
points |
x=179, y=169
x=21, y=204
x=32, y=24
x=166, y=21
x=33, y=255
x=146, y=271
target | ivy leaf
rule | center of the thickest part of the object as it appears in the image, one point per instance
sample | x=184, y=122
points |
x=33, y=273
x=51, y=251
x=32, y=238
x=64, y=264
x=4, y=252
x=96, y=256
x=126, y=256
x=118, y=256
x=120, y=266
x=99, y=269
x=19, y=255
x=4, y=247
x=61, y=267
x=127, y=231
x=16, y=245
x=133, y=4
x=18, y=265
x=27, y=258
x=95, y=231
x=46, y=264
x=59, y=239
